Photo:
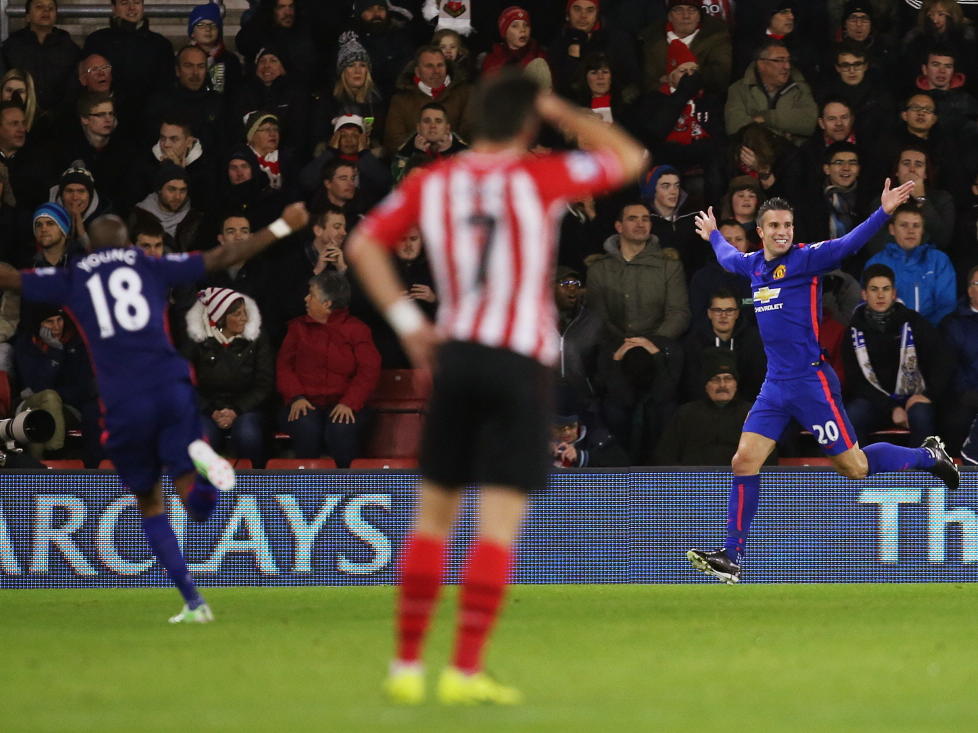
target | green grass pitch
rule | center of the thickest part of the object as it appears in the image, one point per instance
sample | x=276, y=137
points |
x=588, y=658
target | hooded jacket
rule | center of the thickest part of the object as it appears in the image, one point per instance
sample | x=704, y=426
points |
x=925, y=278
x=791, y=112
x=960, y=331
x=239, y=374
x=645, y=296
x=328, y=363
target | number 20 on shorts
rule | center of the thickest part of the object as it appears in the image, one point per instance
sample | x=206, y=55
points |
x=825, y=434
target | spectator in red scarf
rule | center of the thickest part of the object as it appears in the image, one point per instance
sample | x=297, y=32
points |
x=518, y=47
x=706, y=38
x=684, y=124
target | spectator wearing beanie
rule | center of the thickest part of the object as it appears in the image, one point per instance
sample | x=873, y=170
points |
x=517, y=47
x=52, y=227
x=271, y=88
x=170, y=204
x=75, y=191
x=584, y=32
x=280, y=25
x=235, y=366
x=206, y=30
x=244, y=187
x=354, y=93
x=706, y=431
x=705, y=37
x=382, y=31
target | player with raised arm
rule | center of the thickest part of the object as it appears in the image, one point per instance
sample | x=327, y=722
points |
x=488, y=217
x=117, y=297
x=799, y=383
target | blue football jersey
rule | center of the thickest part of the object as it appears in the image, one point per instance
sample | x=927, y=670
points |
x=118, y=298
x=788, y=293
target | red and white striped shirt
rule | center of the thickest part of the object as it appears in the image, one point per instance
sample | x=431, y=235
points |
x=489, y=224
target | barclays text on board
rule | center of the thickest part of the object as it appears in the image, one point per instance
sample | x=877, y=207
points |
x=82, y=530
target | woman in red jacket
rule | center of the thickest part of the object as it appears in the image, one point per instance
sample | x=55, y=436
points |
x=326, y=369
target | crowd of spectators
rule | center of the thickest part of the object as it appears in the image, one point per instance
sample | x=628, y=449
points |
x=200, y=142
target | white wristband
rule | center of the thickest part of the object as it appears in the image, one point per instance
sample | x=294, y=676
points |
x=404, y=316
x=280, y=228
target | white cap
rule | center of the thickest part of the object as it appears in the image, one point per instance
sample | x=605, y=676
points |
x=338, y=122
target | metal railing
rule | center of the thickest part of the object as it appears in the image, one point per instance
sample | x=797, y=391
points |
x=102, y=10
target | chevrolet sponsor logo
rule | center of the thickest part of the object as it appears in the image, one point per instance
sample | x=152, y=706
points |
x=765, y=294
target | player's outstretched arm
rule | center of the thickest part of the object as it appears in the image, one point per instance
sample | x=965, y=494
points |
x=376, y=273
x=593, y=133
x=891, y=198
x=294, y=216
x=9, y=277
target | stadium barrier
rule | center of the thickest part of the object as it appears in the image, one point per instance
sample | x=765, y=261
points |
x=81, y=529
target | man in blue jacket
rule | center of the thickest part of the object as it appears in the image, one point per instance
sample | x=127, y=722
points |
x=925, y=279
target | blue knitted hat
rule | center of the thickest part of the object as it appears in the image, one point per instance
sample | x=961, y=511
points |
x=648, y=184
x=207, y=11
x=57, y=213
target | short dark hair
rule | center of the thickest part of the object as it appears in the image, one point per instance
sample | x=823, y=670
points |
x=621, y=211
x=907, y=208
x=178, y=119
x=10, y=104
x=424, y=49
x=28, y=3
x=918, y=93
x=972, y=272
x=877, y=270
x=142, y=222
x=851, y=48
x=774, y=204
x=732, y=223
x=87, y=101
x=503, y=105
x=943, y=50
x=841, y=146
x=724, y=293
x=320, y=220
x=333, y=286
x=435, y=106
x=233, y=214
x=331, y=166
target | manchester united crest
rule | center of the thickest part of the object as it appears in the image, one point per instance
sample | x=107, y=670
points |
x=780, y=272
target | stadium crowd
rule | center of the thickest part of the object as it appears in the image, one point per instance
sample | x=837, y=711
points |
x=334, y=103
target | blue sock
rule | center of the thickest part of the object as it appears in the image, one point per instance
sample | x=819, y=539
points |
x=884, y=457
x=741, y=508
x=201, y=499
x=160, y=535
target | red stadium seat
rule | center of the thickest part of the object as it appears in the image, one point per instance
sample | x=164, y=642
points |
x=65, y=464
x=373, y=463
x=401, y=390
x=817, y=461
x=395, y=435
x=106, y=465
x=6, y=403
x=244, y=463
x=291, y=464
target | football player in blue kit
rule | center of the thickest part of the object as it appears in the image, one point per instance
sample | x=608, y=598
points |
x=117, y=296
x=799, y=383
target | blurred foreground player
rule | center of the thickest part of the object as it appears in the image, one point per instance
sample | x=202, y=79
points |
x=799, y=383
x=117, y=296
x=488, y=218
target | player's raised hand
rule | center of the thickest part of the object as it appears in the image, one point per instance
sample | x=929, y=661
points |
x=891, y=198
x=706, y=223
x=295, y=215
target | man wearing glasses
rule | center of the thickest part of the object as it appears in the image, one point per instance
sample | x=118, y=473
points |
x=92, y=138
x=862, y=88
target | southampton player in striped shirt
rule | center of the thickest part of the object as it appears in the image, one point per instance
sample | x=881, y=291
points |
x=118, y=296
x=488, y=217
x=800, y=384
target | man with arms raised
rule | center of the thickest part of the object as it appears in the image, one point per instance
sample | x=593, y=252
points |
x=799, y=383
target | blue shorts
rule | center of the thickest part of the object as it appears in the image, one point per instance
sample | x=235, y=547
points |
x=150, y=432
x=814, y=400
